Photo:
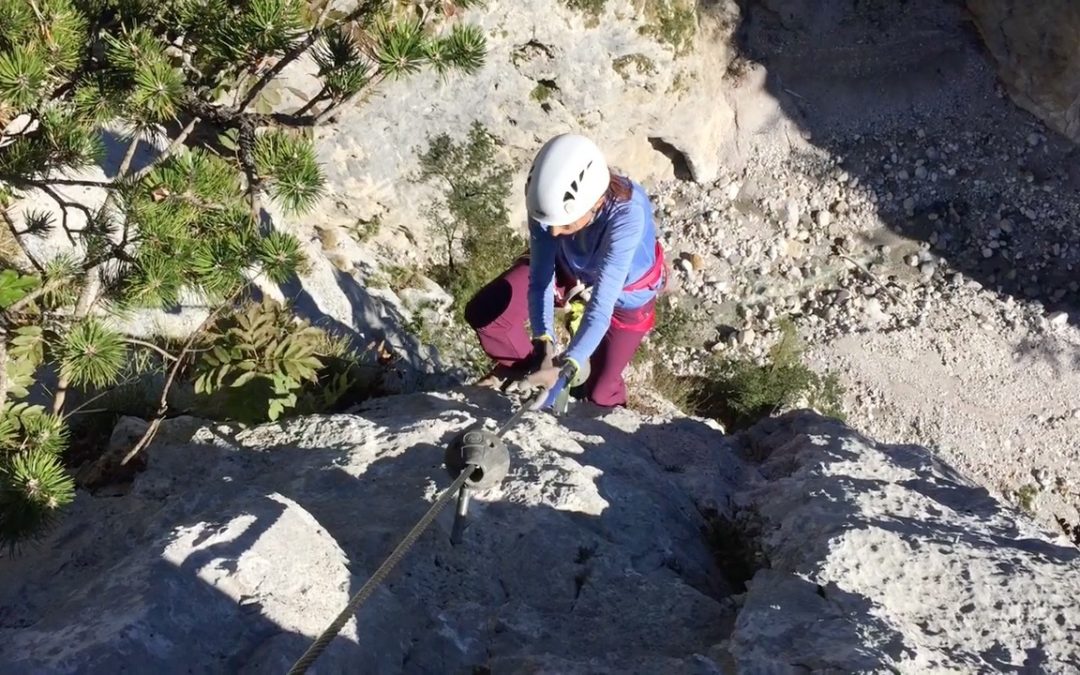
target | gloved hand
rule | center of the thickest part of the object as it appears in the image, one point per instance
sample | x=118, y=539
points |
x=546, y=377
x=506, y=378
x=542, y=357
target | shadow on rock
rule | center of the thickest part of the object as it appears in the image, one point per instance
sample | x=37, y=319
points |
x=906, y=96
x=235, y=548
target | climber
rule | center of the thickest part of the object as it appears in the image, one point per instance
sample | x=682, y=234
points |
x=590, y=228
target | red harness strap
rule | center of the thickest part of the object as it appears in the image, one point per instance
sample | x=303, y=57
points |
x=639, y=320
x=652, y=276
x=642, y=319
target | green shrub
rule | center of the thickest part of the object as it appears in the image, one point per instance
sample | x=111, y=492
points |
x=685, y=393
x=673, y=22
x=675, y=325
x=628, y=64
x=363, y=230
x=542, y=92
x=1026, y=496
x=739, y=392
x=592, y=9
x=471, y=218
x=399, y=277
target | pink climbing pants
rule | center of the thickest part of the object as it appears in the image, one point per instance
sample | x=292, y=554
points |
x=499, y=311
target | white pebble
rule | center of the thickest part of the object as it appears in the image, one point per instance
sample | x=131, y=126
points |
x=1058, y=319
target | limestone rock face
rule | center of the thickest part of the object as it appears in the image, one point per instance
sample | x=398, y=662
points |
x=236, y=548
x=882, y=557
x=1037, y=48
x=550, y=69
x=618, y=543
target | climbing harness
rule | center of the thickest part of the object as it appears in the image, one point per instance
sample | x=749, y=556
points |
x=477, y=459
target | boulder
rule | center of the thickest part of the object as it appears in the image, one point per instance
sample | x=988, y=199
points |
x=1037, y=49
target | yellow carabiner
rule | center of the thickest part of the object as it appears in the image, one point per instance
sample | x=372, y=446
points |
x=575, y=312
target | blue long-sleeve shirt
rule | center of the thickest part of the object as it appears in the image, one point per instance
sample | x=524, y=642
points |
x=616, y=249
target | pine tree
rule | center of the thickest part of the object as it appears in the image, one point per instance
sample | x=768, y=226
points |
x=196, y=79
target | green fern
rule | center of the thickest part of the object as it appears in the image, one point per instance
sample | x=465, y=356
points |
x=14, y=287
x=25, y=354
x=259, y=355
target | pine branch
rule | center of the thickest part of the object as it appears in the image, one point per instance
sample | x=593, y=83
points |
x=228, y=118
x=64, y=204
x=330, y=109
x=151, y=346
x=87, y=298
x=16, y=236
x=163, y=403
x=317, y=98
x=297, y=51
x=103, y=18
x=288, y=120
x=108, y=185
x=91, y=290
x=171, y=150
x=129, y=155
x=246, y=153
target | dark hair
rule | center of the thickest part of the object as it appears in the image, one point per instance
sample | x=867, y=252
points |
x=619, y=188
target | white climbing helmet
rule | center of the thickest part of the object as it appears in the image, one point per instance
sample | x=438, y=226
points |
x=567, y=177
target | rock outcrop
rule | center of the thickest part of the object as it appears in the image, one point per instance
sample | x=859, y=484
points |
x=1037, y=48
x=882, y=558
x=618, y=543
x=654, y=109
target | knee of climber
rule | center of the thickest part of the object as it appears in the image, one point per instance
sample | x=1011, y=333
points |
x=488, y=304
x=608, y=392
